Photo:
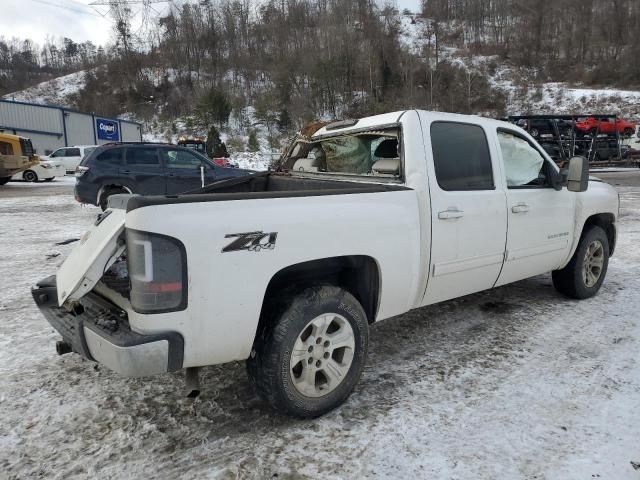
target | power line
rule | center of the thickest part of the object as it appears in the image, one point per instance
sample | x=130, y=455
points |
x=110, y=3
x=67, y=7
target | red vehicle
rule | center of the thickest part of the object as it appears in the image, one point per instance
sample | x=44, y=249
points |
x=222, y=162
x=608, y=125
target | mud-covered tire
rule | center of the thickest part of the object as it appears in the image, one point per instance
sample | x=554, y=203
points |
x=271, y=367
x=571, y=280
x=104, y=197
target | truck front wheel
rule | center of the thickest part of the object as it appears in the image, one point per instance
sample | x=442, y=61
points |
x=311, y=357
x=584, y=274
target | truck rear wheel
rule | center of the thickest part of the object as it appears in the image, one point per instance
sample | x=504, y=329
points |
x=312, y=356
x=584, y=274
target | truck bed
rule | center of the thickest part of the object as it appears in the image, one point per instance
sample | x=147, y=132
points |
x=264, y=185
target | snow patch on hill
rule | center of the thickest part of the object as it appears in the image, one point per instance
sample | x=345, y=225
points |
x=560, y=98
x=52, y=92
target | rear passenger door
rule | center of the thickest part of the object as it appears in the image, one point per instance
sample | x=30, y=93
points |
x=468, y=211
x=144, y=171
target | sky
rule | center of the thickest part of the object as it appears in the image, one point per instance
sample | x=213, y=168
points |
x=75, y=19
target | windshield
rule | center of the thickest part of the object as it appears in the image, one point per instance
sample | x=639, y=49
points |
x=368, y=153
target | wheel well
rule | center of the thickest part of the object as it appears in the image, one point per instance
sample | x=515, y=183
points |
x=109, y=186
x=604, y=221
x=358, y=274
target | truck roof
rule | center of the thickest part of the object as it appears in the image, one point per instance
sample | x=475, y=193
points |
x=393, y=118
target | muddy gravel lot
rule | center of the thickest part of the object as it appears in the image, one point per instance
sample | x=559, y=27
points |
x=515, y=382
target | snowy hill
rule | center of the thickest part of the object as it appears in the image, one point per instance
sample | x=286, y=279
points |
x=55, y=92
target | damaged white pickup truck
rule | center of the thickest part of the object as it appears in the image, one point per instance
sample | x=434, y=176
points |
x=287, y=270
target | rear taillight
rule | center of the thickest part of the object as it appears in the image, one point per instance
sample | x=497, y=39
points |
x=157, y=267
x=80, y=171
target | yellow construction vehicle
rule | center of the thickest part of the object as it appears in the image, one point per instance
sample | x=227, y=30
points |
x=16, y=155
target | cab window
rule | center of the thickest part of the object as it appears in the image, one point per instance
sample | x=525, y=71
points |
x=461, y=157
x=524, y=165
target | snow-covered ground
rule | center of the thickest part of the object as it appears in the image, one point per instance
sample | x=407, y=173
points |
x=516, y=382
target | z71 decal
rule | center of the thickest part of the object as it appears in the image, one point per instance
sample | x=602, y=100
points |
x=252, y=241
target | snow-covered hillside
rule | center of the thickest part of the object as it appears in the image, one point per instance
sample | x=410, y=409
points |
x=52, y=92
x=524, y=93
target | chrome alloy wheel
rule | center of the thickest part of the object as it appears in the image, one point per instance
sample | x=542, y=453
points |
x=593, y=263
x=322, y=355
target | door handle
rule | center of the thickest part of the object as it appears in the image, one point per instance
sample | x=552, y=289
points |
x=450, y=213
x=520, y=208
x=126, y=171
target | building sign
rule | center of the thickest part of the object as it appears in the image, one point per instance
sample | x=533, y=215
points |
x=107, y=130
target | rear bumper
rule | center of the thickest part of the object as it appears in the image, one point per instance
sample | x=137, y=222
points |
x=99, y=331
x=85, y=192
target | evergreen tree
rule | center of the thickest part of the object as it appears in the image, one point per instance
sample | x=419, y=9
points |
x=252, y=143
x=215, y=146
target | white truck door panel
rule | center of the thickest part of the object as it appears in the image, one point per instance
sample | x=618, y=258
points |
x=469, y=219
x=541, y=218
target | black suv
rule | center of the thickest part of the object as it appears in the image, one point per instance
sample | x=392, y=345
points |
x=544, y=126
x=145, y=169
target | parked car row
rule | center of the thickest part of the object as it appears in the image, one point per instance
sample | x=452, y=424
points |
x=148, y=169
x=583, y=126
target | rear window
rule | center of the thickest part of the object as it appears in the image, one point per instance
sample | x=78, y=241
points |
x=143, y=156
x=113, y=156
x=461, y=157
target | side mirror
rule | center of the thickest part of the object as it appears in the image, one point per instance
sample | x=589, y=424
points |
x=578, y=174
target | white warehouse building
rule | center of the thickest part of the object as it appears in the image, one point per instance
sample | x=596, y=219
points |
x=50, y=127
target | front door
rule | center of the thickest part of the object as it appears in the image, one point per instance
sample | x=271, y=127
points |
x=184, y=171
x=541, y=218
x=144, y=171
x=469, y=218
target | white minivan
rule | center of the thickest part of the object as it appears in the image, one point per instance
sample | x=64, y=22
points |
x=70, y=157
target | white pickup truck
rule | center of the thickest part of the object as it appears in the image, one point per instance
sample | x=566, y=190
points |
x=287, y=270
